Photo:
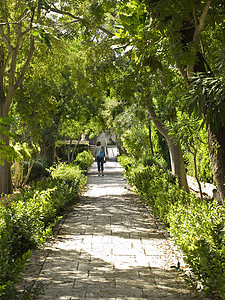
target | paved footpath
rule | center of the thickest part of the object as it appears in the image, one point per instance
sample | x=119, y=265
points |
x=108, y=247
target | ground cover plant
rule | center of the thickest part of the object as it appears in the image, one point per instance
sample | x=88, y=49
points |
x=196, y=226
x=27, y=220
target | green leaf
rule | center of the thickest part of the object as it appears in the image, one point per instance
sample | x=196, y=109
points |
x=126, y=20
x=35, y=33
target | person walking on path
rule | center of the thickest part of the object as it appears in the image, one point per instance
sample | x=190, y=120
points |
x=100, y=157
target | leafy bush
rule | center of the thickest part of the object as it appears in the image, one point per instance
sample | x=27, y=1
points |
x=196, y=226
x=39, y=169
x=62, y=151
x=27, y=221
x=158, y=188
x=146, y=159
x=198, y=229
x=126, y=162
x=84, y=159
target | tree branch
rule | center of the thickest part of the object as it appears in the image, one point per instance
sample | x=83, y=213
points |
x=5, y=40
x=61, y=12
x=22, y=16
x=109, y=33
x=78, y=19
x=197, y=33
x=201, y=23
x=26, y=64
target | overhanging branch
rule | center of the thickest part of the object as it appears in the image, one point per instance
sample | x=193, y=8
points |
x=197, y=33
x=201, y=23
x=26, y=64
x=78, y=19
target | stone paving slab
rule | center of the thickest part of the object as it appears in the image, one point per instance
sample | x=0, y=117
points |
x=108, y=247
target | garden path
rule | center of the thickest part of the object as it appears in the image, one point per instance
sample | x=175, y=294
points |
x=109, y=246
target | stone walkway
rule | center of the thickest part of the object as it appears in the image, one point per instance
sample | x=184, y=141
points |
x=108, y=247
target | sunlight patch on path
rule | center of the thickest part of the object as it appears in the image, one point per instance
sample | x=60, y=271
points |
x=110, y=247
x=113, y=183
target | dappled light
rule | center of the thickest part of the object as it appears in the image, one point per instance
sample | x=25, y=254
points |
x=110, y=247
x=137, y=84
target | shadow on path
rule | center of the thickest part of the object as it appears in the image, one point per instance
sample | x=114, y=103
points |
x=109, y=247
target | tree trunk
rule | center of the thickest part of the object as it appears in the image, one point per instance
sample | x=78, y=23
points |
x=5, y=167
x=216, y=142
x=48, y=152
x=196, y=173
x=5, y=173
x=176, y=155
x=75, y=148
x=150, y=136
x=177, y=161
x=51, y=153
x=68, y=152
x=28, y=173
x=5, y=178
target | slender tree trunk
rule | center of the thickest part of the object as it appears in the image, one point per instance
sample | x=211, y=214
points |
x=150, y=136
x=28, y=173
x=176, y=155
x=216, y=142
x=6, y=98
x=177, y=161
x=5, y=167
x=196, y=173
x=75, y=147
x=68, y=152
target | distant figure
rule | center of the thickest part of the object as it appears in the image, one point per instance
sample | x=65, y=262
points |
x=100, y=157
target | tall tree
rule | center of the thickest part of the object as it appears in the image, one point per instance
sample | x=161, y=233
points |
x=22, y=24
x=55, y=92
x=19, y=24
x=192, y=30
x=183, y=35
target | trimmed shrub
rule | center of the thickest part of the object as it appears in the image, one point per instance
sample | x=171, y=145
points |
x=198, y=229
x=196, y=226
x=84, y=160
x=27, y=220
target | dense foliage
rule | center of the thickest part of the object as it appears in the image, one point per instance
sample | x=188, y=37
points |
x=196, y=226
x=61, y=61
x=84, y=159
x=28, y=219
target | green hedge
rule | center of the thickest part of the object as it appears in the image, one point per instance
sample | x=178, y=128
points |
x=84, y=159
x=196, y=226
x=27, y=220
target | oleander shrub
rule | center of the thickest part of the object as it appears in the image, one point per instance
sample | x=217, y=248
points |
x=127, y=163
x=28, y=219
x=84, y=159
x=197, y=227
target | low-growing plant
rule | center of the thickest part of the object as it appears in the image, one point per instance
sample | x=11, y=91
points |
x=198, y=229
x=84, y=159
x=126, y=161
x=27, y=220
x=196, y=226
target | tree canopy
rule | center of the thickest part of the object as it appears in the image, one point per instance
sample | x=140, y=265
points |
x=64, y=61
